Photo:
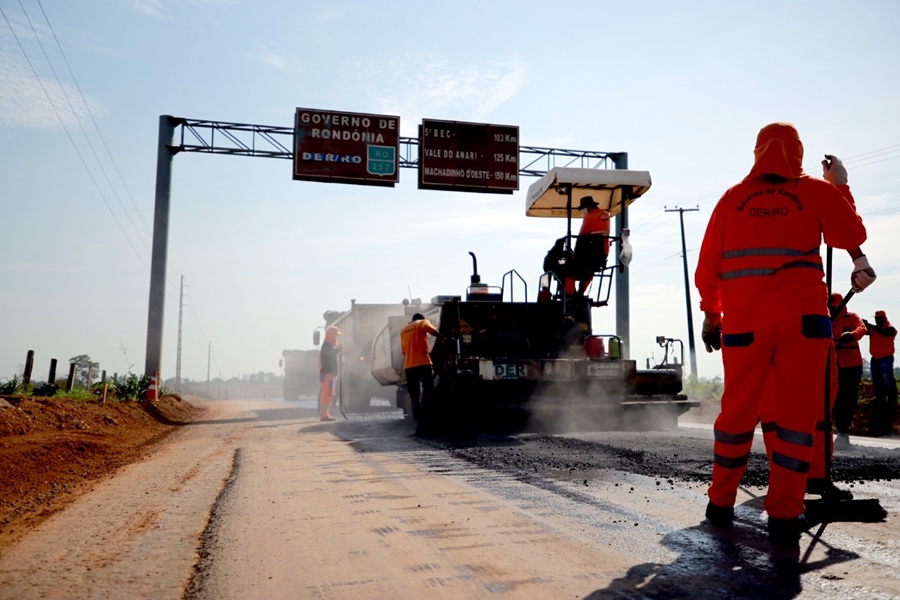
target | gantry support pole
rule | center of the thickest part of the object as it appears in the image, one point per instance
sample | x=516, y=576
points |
x=157, y=303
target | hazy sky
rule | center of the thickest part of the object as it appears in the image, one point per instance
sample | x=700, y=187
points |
x=683, y=87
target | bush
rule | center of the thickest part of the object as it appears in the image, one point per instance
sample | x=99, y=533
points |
x=704, y=389
x=131, y=387
x=76, y=394
x=10, y=386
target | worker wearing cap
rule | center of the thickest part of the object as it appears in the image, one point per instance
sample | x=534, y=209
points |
x=417, y=362
x=847, y=329
x=592, y=246
x=881, y=347
x=328, y=368
x=760, y=278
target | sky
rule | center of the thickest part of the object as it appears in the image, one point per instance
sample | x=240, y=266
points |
x=682, y=87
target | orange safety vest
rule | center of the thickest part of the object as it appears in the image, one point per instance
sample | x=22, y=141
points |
x=881, y=340
x=848, y=354
x=596, y=221
x=414, y=343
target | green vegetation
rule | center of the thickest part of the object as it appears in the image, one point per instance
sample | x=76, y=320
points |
x=131, y=387
x=85, y=369
x=77, y=394
x=10, y=386
x=703, y=388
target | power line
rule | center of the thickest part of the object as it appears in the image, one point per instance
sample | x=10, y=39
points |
x=80, y=126
x=93, y=120
x=72, y=141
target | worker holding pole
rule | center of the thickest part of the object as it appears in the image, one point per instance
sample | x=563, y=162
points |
x=328, y=368
x=848, y=329
x=761, y=283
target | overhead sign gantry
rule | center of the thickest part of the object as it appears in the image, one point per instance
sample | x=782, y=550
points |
x=468, y=157
x=366, y=149
x=342, y=147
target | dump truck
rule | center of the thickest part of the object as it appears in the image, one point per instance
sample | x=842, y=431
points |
x=301, y=373
x=536, y=360
x=355, y=386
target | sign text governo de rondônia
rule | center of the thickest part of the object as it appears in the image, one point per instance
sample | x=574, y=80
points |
x=343, y=147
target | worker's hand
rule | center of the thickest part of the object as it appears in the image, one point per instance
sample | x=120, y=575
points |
x=862, y=276
x=711, y=334
x=847, y=337
x=833, y=170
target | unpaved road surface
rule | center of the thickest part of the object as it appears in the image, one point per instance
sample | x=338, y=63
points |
x=261, y=500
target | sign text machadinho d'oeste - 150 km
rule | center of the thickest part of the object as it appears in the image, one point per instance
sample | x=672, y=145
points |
x=472, y=157
x=343, y=147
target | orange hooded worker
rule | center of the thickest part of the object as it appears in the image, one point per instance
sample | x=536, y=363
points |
x=328, y=368
x=881, y=347
x=761, y=283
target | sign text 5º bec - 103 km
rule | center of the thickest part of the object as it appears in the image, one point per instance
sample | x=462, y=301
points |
x=470, y=157
x=343, y=147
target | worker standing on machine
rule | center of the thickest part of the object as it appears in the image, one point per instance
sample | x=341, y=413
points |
x=417, y=362
x=592, y=246
x=328, y=368
x=760, y=278
x=847, y=329
x=881, y=347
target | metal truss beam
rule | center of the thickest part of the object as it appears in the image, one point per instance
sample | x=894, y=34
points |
x=241, y=139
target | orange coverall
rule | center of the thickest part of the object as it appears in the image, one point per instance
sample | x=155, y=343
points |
x=760, y=268
x=596, y=221
x=328, y=364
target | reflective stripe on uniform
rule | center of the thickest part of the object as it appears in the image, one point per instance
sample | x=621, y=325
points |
x=795, y=437
x=797, y=264
x=732, y=462
x=791, y=464
x=733, y=438
x=769, y=252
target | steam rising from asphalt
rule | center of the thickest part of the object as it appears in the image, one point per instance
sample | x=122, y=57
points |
x=559, y=408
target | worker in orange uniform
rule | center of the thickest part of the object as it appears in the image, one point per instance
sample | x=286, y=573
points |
x=881, y=347
x=328, y=368
x=760, y=278
x=417, y=362
x=847, y=329
x=592, y=246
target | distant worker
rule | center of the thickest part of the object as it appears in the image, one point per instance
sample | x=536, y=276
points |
x=847, y=329
x=328, y=368
x=760, y=278
x=417, y=362
x=881, y=347
x=592, y=246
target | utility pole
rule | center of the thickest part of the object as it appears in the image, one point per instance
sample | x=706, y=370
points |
x=178, y=350
x=687, y=289
x=208, y=362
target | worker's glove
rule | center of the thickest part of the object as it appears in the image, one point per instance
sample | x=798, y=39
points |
x=833, y=170
x=863, y=275
x=711, y=334
x=847, y=337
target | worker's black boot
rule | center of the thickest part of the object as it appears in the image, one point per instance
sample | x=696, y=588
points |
x=720, y=516
x=842, y=441
x=787, y=531
x=827, y=489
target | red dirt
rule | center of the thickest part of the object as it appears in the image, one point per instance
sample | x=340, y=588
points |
x=54, y=449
